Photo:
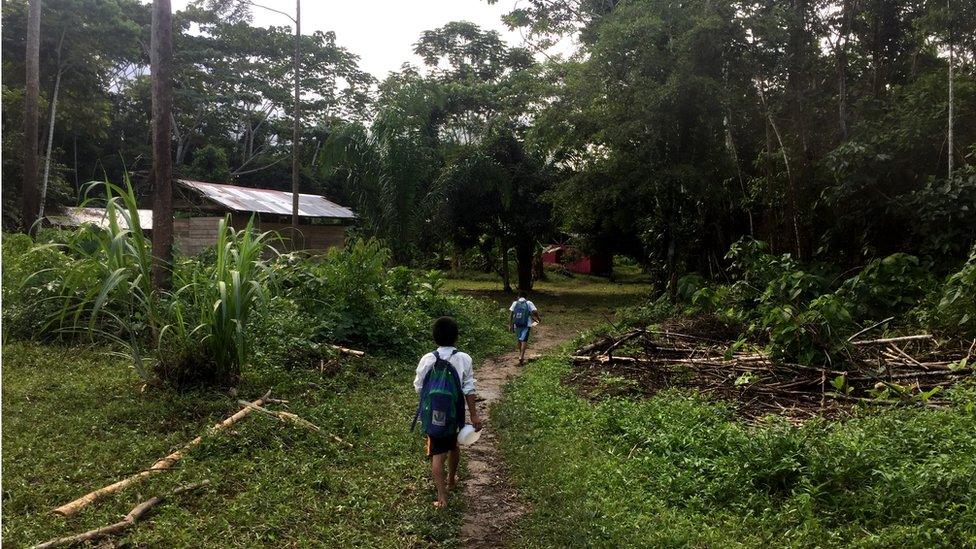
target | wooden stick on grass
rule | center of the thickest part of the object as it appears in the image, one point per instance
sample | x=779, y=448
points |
x=163, y=464
x=294, y=418
x=127, y=522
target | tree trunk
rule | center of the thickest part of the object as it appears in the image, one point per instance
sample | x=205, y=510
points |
x=487, y=247
x=161, y=60
x=538, y=269
x=31, y=197
x=50, y=141
x=845, y=27
x=791, y=189
x=506, y=282
x=523, y=263
x=951, y=86
x=77, y=187
x=296, y=129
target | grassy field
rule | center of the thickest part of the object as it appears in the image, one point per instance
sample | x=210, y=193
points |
x=676, y=470
x=566, y=303
x=75, y=419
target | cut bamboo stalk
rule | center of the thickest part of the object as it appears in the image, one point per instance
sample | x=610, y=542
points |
x=351, y=352
x=127, y=522
x=163, y=464
x=892, y=339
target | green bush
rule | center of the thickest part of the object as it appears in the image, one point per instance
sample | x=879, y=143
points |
x=29, y=286
x=953, y=309
x=351, y=297
x=806, y=312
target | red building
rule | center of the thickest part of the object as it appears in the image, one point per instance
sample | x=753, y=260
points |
x=599, y=264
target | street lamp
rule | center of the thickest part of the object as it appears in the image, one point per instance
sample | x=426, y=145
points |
x=296, y=117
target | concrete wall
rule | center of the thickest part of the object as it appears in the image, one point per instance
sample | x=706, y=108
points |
x=192, y=235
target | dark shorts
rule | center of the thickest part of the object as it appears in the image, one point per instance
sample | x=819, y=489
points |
x=440, y=445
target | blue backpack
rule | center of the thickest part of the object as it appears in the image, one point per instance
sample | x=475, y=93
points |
x=521, y=314
x=441, y=406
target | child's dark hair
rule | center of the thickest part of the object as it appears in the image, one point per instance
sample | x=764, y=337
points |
x=445, y=331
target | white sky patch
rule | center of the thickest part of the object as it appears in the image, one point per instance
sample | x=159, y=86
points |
x=382, y=32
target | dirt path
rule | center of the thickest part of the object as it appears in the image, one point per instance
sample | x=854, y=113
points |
x=491, y=502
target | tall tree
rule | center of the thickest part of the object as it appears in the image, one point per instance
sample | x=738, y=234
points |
x=31, y=198
x=162, y=107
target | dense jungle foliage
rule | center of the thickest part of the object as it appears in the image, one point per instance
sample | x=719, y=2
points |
x=670, y=132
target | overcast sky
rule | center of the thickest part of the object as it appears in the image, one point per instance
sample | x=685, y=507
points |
x=382, y=32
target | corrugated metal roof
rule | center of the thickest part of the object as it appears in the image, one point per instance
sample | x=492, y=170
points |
x=77, y=216
x=245, y=199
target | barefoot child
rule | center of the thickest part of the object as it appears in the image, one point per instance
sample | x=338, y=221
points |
x=520, y=317
x=445, y=383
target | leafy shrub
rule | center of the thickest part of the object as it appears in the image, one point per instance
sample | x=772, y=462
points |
x=890, y=286
x=230, y=306
x=206, y=338
x=351, y=297
x=805, y=312
x=29, y=283
x=953, y=311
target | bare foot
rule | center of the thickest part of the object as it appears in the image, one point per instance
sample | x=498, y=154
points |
x=440, y=504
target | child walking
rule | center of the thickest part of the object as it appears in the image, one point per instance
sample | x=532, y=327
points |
x=520, y=317
x=445, y=382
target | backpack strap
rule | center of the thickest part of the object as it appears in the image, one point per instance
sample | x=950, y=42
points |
x=461, y=403
x=423, y=389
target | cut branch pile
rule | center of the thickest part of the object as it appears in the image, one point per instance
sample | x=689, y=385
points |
x=898, y=370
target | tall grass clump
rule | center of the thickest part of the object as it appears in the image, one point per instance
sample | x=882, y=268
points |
x=195, y=333
x=207, y=337
x=106, y=288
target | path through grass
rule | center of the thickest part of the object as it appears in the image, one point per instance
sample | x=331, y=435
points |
x=75, y=419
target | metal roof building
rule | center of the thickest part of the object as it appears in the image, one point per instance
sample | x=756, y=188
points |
x=202, y=206
x=269, y=201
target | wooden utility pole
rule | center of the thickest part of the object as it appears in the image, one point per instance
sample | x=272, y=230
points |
x=31, y=195
x=296, y=131
x=161, y=63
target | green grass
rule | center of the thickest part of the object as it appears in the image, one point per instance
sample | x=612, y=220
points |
x=75, y=420
x=676, y=470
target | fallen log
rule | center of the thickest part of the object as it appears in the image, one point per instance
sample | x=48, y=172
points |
x=596, y=345
x=623, y=339
x=132, y=517
x=163, y=464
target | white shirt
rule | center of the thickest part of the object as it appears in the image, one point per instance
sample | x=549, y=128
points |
x=532, y=307
x=460, y=361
